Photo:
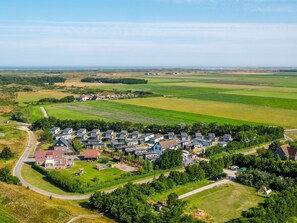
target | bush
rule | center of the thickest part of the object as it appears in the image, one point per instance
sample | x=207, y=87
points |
x=65, y=181
x=39, y=169
x=6, y=153
x=5, y=176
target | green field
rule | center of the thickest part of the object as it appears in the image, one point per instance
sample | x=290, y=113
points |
x=225, y=202
x=235, y=98
x=118, y=111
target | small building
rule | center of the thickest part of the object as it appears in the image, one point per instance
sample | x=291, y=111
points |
x=81, y=132
x=193, y=145
x=55, y=130
x=81, y=137
x=140, y=153
x=184, y=136
x=95, y=131
x=211, y=137
x=108, y=135
x=50, y=158
x=226, y=138
x=161, y=146
x=198, y=135
x=223, y=144
x=204, y=142
x=132, y=142
x=170, y=135
x=115, y=143
x=67, y=131
x=62, y=145
x=287, y=152
x=91, y=154
x=156, y=139
x=135, y=135
x=94, y=144
x=85, y=97
x=146, y=137
x=152, y=156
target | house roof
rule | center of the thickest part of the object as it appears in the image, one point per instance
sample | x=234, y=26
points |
x=81, y=130
x=289, y=151
x=91, y=153
x=168, y=143
x=184, y=134
x=43, y=154
x=64, y=141
x=211, y=135
x=198, y=134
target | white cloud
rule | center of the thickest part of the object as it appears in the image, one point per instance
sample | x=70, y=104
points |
x=120, y=43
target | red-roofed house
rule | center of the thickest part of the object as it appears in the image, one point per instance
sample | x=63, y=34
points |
x=91, y=154
x=287, y=152
x=50, y=158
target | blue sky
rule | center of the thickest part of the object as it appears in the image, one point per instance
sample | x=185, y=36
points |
x=148, y=33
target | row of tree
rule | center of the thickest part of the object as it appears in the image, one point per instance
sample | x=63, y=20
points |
x=38, y=81
x=219, y=130
x=129, y=203
x=115, y=80
x=272, y=166
x=67, y=99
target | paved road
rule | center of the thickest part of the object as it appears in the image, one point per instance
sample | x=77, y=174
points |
x=230, y=177
x=44, y=112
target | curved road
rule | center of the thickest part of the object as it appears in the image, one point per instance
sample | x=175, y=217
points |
x=18, y=169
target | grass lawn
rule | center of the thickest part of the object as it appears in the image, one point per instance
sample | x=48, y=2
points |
x=91, y=172
x=179, y=190
x=5, y=217
x=38, y=180
x=225, y=202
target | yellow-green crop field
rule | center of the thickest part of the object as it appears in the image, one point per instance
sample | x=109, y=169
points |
x=235, y=98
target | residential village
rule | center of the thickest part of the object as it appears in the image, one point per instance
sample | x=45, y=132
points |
x=106, y=97
x=146, y=146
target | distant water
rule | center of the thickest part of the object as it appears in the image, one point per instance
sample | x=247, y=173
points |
x=16, y=68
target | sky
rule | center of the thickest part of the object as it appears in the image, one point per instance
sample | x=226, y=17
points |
x=177, y=33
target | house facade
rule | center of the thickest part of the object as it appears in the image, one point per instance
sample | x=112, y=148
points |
x=50, y=158
x=161, y=146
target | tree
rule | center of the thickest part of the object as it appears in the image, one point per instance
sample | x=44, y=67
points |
x=6, y=153
x=18, y=116
x=274, y=145
x=77, y=145
x=148, y=166
x=47, y=136
x=5, y=176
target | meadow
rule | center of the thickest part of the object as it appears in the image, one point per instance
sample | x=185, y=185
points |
x=212, y=96
x=18, y=204
x=224, y=202
x=13, y=138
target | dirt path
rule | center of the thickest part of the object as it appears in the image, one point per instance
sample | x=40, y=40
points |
x=44, y=112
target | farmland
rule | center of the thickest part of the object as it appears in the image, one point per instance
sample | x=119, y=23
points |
x=232, y=97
